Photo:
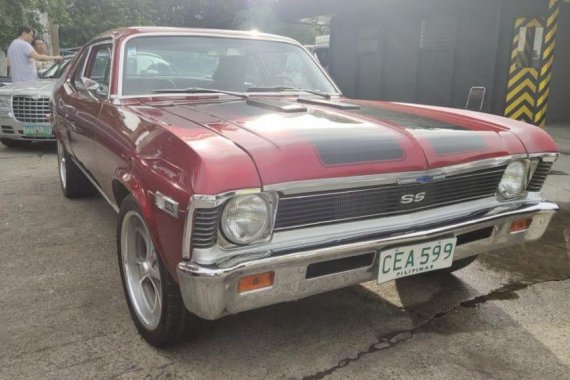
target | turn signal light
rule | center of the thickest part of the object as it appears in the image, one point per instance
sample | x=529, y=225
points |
x=256, y=281
x=519, y=225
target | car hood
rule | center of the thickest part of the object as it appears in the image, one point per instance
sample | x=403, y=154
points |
x=39, y=87
x=322, y=141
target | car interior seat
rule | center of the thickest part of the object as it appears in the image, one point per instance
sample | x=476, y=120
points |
x=230, y=73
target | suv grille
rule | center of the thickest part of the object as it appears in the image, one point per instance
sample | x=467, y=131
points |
x=337, y=206
x=29, y=110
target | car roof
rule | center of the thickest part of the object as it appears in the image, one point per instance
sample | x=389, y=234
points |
x=123, y=33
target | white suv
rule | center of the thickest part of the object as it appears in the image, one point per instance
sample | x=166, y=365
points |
x=25, y=109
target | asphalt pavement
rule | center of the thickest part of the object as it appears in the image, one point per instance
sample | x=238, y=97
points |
x=63, y=313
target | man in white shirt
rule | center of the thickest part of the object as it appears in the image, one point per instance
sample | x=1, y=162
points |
x=21, y=56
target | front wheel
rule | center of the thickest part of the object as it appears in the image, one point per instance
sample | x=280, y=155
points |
x=153, y=297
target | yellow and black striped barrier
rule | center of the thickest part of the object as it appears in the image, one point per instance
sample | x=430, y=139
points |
x=523, y=77
x=547, y=61
x=530, y=73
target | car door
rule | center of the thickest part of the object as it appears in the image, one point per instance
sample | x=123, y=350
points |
x=89, y=88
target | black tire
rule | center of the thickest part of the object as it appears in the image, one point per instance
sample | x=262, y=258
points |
x=74, y=183
x=15, y=143
x=175, y=323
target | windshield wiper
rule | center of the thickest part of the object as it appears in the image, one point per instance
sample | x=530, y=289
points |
x=198, y=90
x=287, y=88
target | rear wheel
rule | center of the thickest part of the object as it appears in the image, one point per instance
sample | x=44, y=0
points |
x=74, y=183
x=153, y=297
x=15, y=143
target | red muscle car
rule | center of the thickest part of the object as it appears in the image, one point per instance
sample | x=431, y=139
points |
x=242, y=177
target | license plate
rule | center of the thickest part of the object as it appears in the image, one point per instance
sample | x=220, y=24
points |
x=413, y=259
x=37, y=130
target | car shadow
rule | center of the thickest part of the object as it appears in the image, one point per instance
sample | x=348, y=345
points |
x=39, y=147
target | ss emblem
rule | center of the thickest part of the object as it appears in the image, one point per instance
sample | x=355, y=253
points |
x=409, y=198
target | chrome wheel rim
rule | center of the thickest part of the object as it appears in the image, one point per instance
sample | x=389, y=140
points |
x=141, y=271
x=61, y=161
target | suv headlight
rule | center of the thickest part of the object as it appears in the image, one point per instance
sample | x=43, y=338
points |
x=5, y=101
x=247, y=218
x=514, y=180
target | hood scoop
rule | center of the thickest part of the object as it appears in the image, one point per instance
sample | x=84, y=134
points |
x=276, y=105
x=330, y=103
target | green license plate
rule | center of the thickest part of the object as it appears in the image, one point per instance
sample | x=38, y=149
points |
x=414, y=259
x=38, y=130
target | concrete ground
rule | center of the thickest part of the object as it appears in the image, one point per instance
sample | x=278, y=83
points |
x=63, y=314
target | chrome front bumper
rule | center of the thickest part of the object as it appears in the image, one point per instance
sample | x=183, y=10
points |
x=210, y=291
x=12, y=129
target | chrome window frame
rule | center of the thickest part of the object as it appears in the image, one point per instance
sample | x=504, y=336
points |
x=88, y=51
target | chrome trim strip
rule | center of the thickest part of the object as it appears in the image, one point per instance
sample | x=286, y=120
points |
x=546, y=157
x=340, y=183
x=254, y=36
x=96, y=185
x=187, y=235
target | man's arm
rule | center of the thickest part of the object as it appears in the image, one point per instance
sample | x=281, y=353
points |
x=41, y=57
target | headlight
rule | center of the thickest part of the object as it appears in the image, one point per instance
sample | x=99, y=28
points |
x=246, y=218
x=5, y=101
x=514, y=180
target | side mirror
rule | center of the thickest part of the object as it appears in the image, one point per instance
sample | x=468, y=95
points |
x=89, y=84
x=94, y=87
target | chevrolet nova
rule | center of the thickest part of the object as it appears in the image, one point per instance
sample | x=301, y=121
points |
x=242, y=178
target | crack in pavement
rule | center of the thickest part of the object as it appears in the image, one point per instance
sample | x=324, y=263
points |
x=505, y=292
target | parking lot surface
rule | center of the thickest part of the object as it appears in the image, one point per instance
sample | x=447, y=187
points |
x=63, y=313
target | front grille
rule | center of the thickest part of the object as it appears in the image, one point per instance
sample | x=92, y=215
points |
x=539, y=176
x=345, y=205
x=29, y=110
x=205, y=227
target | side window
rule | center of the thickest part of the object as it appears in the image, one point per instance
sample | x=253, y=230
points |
x=76, y=79
x=99, y=67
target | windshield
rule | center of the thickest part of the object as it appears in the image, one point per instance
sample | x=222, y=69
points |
x=56, y=70
x=229, y=64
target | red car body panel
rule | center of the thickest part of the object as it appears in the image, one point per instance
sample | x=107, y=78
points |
x=198, y=144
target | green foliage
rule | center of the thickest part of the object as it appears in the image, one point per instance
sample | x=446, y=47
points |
x=15, y=13
x=81, y=20
x=88, y=18
x=91, y=17
x=262, y=18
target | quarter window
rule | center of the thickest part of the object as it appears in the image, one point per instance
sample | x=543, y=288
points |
x=76, y=80
x=99, y=67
